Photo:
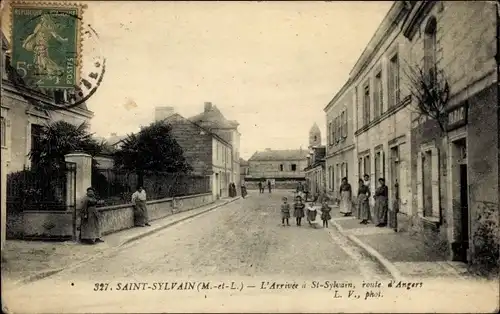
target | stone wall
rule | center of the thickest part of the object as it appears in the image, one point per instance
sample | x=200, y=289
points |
x=58, y=224
x=197, y=147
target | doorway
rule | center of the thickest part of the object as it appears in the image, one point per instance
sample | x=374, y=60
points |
x=394, y=198
x=461, y=199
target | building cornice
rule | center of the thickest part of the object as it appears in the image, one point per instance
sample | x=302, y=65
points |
x=397, y=11
x=415, y=17
x=339, y=94
x=25, y=92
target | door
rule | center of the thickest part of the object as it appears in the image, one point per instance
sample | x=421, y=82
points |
x=394, y=198
x=464, y=213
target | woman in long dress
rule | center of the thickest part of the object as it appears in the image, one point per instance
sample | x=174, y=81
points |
x=381, y=203
x=90, y=231
x=363, y=202
x=345, y=198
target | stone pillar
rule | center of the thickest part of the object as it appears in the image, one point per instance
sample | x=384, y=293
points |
x=83, y=173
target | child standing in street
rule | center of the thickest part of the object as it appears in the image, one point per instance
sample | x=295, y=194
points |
x=325, y=212
x=285, y=212
x=298, y=210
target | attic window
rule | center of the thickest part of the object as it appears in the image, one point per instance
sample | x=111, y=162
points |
x=294, y=167
x=281, y=167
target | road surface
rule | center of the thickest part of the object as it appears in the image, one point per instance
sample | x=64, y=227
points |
x=235, y=258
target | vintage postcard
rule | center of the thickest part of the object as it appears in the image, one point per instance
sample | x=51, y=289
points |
x=250, y=156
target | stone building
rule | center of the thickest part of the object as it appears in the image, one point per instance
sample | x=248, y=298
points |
x=244, y=169
x=23, y=115
x=213, y=120
x=340, y=154
x=315, y=170
x=381, y=120
x=283, y=168
x=208, y=153
x=456, y=171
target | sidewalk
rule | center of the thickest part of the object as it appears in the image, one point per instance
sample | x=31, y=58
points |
x=402, y=255
x=27, y=261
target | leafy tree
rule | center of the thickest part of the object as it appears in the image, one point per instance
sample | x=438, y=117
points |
x=153, y=149
x=60, y=138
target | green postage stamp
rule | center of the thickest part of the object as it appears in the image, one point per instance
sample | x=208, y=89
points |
x=46, y=44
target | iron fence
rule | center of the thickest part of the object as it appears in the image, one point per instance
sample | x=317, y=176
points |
x=38, y=189
x=116, y=187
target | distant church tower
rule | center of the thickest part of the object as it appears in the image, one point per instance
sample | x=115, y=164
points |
x=314, y=136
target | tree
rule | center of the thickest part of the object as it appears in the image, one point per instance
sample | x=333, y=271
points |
x=431, y=91
x=60, y=138
x=153, y=149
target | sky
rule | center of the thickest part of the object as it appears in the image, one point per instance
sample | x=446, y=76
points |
x=272, y=66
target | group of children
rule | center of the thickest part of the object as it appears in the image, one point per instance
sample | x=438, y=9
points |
x=299, y=212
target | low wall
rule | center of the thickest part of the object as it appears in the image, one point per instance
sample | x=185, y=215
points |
x=59, y=224
x=119, y=217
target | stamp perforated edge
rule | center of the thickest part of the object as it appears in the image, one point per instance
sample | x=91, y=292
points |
x=80, y=9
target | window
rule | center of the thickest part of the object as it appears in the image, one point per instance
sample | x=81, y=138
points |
x=4, y=132
x=366, y=104
x=378, y=101
x=330, y=134
x=294, y=167
x=345, y=123
x=338, y=173
x=428, y=182
x=430, y=53
x=393, y=81
x=339, y=129
x=360, y=168
x=378, y=164
x=332, y=183
x=281, y=167
x=367, y=165
x=330, y=173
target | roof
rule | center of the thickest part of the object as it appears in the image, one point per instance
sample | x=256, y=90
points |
x=314, y=128
x=112, y=140
x=213, y=118
x=278, y=155
x=243, y=162
x=171, y=118
x=5, y=42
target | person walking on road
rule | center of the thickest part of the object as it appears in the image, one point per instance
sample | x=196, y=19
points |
x=90, y=231
x=140, y=210
x=285, y=212
x=243, y=190
x=381, y=203
x=269, y=185
x=363, y=202
x=261, y=189
x=325, y=212
x=345, y=198
x=298, y=210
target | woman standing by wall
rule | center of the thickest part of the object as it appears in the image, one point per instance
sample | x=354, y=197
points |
x=345, y=198
x=381, y=203
x=363, y=202
x=90, y=231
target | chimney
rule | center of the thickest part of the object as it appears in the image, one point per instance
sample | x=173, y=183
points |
x=208, y=106
x=161, y=113
x=113, y=134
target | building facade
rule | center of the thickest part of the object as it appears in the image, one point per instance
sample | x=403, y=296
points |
x=206, y=152
x=244, y=169
x=213, y=120
x=315, y=170
x=456, y=166
x=23, y=116
x=283, y=168
x=340, y=148
x=382, y=119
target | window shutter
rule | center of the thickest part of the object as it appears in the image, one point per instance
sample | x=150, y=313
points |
x=420, y=194
x=383, y=165
x=436, y=206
